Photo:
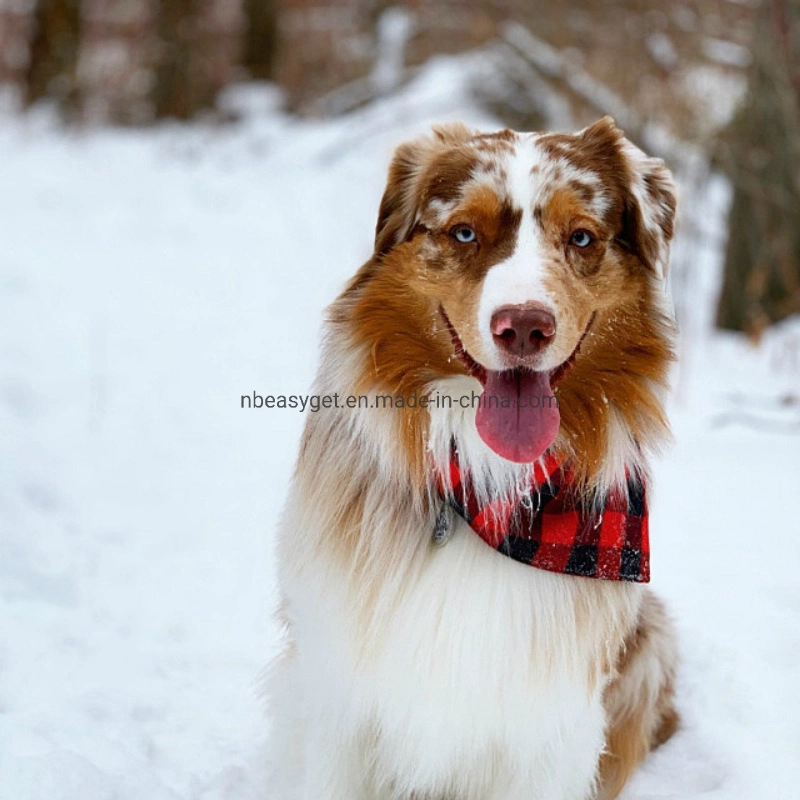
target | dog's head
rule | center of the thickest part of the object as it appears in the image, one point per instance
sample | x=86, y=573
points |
x=534, y=263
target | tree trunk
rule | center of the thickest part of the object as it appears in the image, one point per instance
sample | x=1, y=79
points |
x=183, y=85
x=52, y=66
x=260, y=38
x=761, y=154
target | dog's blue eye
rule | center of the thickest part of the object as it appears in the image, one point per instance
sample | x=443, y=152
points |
x=581, y=238
x=464, y=234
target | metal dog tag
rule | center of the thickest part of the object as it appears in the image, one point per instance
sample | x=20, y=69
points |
x=443, y=529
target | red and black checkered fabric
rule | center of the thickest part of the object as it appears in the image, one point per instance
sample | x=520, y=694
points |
x=549, y=529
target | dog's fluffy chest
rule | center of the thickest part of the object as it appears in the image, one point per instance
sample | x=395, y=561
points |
x=463, y=677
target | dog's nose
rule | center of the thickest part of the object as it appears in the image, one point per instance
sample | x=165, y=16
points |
x=523, y=330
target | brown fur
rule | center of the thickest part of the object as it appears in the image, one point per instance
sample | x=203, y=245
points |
x=624, y=378
x=640, y=698
x=599, y=149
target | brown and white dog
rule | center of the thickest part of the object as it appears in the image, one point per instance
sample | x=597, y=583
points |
x=505, y=264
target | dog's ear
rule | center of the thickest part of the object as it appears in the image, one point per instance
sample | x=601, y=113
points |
x=649, y=216
x=400, y=204
x=648, y=221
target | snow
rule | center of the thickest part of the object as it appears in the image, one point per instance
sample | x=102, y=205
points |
x=148, y=279
x=394, y=29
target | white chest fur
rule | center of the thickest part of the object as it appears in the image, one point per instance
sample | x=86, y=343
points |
x=474, y=677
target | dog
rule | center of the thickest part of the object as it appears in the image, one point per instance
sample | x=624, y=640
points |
x=463, y=572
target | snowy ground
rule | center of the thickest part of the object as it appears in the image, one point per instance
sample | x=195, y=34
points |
x=147, y=280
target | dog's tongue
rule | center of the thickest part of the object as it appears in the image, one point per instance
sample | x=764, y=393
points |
x=517, y=415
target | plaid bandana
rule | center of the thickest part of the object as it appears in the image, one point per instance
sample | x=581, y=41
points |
x=549, y=529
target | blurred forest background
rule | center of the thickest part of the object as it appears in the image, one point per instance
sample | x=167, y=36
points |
x=710, y=85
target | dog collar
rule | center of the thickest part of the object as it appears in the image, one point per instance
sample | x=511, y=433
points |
x=549, y=528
